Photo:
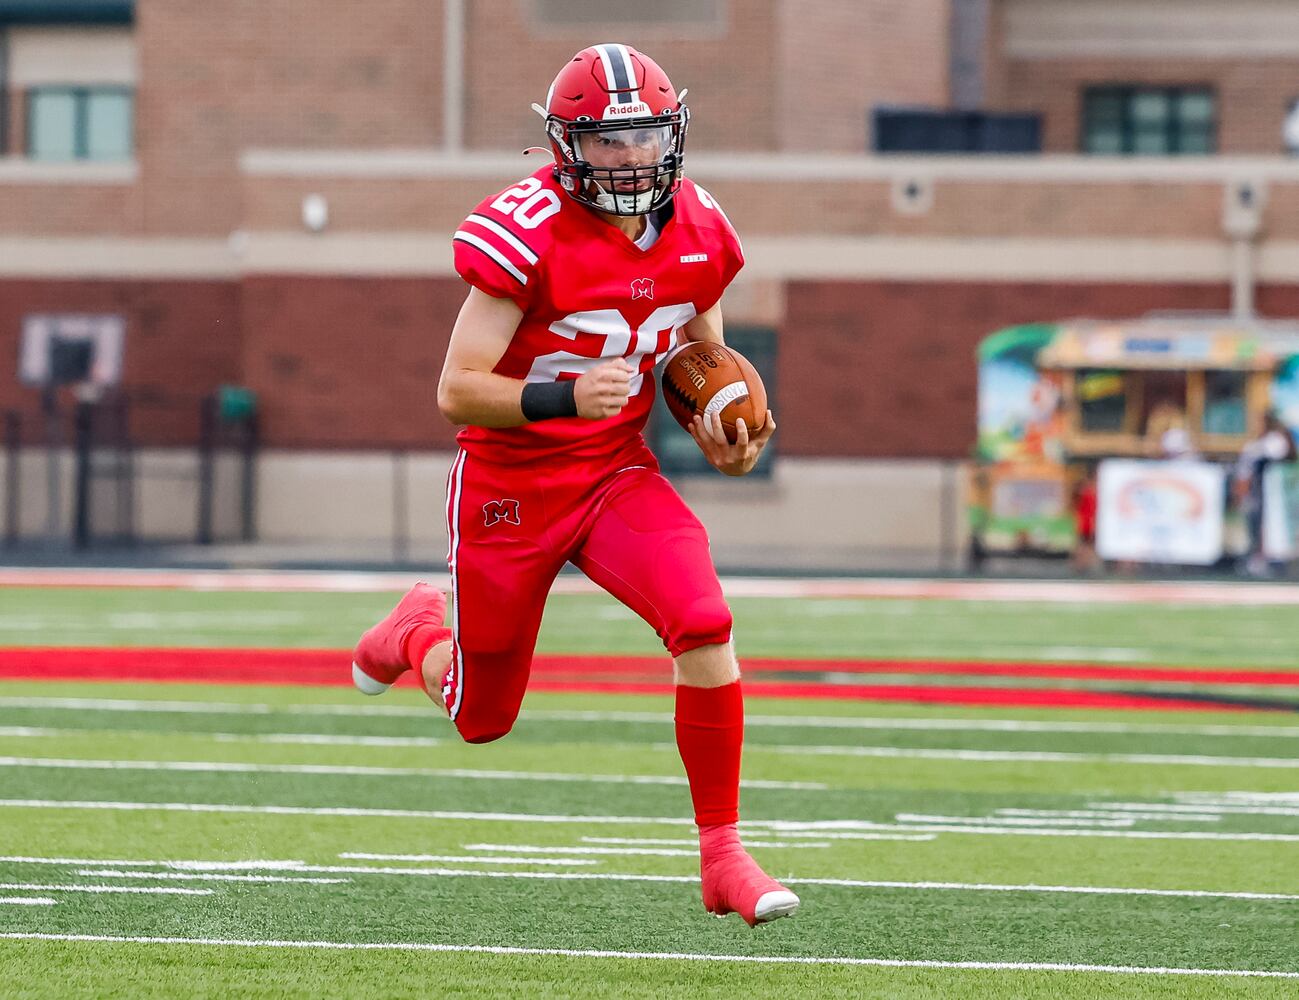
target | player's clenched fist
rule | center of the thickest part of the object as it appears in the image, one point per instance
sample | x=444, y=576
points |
x=603, y=391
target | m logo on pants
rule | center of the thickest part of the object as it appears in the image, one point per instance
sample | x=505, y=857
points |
x=501, y=510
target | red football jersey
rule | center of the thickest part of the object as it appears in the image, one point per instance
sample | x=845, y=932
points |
x=588, y=294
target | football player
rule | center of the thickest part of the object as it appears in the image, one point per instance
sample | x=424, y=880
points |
x=582, y=277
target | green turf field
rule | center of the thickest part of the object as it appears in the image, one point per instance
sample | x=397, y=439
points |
x=1137, y=633
x=250, y=824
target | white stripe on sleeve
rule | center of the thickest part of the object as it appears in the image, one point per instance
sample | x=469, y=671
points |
x=492, y=252
x=517, y=244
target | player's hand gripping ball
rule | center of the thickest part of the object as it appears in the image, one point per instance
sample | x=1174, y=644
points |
x=700, y=378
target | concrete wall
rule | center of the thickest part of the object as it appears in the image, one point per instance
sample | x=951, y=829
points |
x=812, y=514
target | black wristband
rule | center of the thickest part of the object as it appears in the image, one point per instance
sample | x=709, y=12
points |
x=547, y=400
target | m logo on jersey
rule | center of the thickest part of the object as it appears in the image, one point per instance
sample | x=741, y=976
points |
x=501, y=510
x=642, y=287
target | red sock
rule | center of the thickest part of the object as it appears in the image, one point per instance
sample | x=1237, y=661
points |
x=710, y=736
x=422, y=638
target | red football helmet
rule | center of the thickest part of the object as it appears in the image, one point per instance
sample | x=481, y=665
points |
x=618, y=130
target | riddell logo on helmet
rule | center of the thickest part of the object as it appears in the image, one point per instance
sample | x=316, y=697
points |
x=624, y=110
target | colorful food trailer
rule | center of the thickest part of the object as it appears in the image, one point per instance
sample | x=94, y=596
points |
x=1055, y=399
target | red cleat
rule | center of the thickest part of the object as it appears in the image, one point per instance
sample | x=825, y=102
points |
x=383, y=654
x=734, y=883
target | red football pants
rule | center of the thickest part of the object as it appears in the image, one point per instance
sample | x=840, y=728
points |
x=513, y=527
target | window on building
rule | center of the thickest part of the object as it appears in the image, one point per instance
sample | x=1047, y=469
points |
x=582, y=13
x=676, y=450
x=80, y=123
x=1102, y=401
x=1224, y=402
x=1149, y=121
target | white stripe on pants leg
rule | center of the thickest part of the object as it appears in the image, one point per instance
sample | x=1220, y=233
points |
x=455, y=484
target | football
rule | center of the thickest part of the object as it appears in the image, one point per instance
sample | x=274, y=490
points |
x=703, y=378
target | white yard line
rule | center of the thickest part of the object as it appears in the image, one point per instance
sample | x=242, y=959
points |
x=1101, y=813
x=307, y=869
x=828, y=829
x=310, y=739
x=325, y=739
x=37, y=732
x=679, y=842
x=816, y=829
x=1025, y=821
x=27, y=901
x=1176, y=810
x=664, y=718
x=835, y=835
x=215, y=579
x=761, y=843
x=479, y=859
x=140, y=889
x=189, y=865
x=1015, y=756
x=136, y=873
x=1084, y=890
x=655, y=956
x=661, y=852
x=205, y=707
x=272, y=810
x=922, y=724
x=688, y=879
x=221, y=869
x=1037, y=591
x=373, y=771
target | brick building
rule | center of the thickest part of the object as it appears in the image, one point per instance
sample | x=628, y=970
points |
x=157, y=156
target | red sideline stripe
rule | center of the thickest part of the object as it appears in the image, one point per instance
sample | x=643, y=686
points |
x=551, y=673
x=650, y=666
x=1022, y=697
x=1071, y=671
x=213, y=666
x=329, y=666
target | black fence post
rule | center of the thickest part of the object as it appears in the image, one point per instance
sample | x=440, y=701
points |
x=207, y=430
x=12, y=442
x=125, y=473
x=84, y=436
x=248, y=493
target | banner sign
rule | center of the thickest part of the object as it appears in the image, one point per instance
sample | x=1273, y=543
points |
x=1281, y=511
x=1160, y=512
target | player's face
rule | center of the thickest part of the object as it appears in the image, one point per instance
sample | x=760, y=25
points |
x=629, y=147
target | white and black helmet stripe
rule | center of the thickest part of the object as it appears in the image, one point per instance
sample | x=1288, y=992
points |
x=619, y=72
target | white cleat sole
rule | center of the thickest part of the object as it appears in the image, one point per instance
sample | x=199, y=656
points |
x=772, y=905
x=367, y=684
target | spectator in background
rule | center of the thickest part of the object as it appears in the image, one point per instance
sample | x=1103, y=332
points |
x=1274, y=444
x=1165, y=431
x=1084, y=513
x=1176, y=444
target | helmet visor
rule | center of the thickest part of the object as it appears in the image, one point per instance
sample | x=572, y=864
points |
x=619, y=147
x=637, y=150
